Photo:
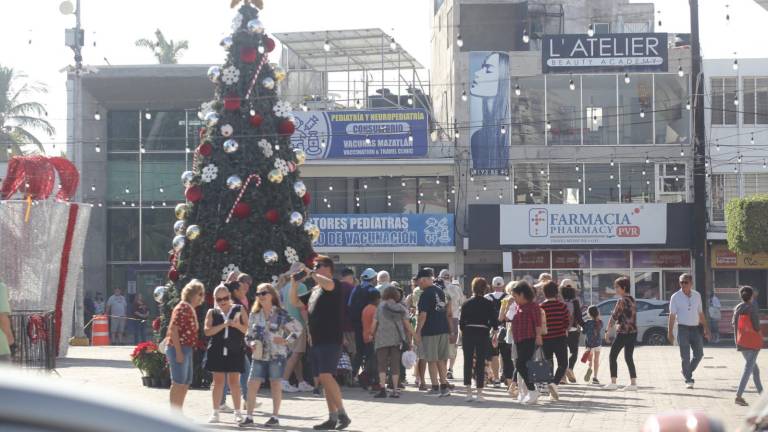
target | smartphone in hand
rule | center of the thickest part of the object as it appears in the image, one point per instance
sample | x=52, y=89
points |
x=300, y=275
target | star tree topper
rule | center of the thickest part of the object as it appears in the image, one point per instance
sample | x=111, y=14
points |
x=257, y=3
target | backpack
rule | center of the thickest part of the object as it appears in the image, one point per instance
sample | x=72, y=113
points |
x=496, y=301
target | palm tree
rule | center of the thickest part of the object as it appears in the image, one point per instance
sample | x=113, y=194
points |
x=19, y=116
x=167, y=52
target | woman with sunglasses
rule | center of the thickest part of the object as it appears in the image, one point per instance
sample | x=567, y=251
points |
x=271, y=330
x=225, y=325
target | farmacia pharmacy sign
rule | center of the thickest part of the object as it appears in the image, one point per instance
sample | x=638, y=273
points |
x=625, y=52
x=583, y=224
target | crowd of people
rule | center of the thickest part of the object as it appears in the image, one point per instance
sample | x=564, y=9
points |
x=311, y=331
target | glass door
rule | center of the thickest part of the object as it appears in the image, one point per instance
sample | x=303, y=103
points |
x=671, y=282
x=647, y=284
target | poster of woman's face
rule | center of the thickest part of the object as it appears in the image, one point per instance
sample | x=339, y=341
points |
x=489, y=113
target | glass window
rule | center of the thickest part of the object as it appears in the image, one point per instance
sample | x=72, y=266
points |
x=162, y=172
x=530, y=183
x=672, y=282
x=601, y=28
x=123, y=178
x=599, y=102
x=164, y=130
x=332, y=195
x=371, y=196
x=606, y=309
x=433, y=195
x=156, y=233
x=602, y=183
x=672, y=119
x=672, y=178
x=755, y=100
x=123, y=131
x=636, y=184
x=117, y=277
x=565, y=184
x=581, y=281
x=403, y=192
x=530, y=260
x=570, y=259
x=636, y=108
x=527, y=127
x=602, y=284
x=647, y=285
x=563, y=112
x=730, y=94
x=718, y=105
x=611, y=259
x=123, y=234
x=725, y=279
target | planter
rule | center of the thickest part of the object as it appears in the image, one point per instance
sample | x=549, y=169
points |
x=165, y=382
x=146, y=381
x=155, y=382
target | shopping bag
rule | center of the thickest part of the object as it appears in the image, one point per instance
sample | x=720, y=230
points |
x=747, y=337
x=539, y=370
x=586, y=356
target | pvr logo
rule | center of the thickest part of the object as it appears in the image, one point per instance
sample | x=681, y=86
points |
x=538, y=226
x=628, y=231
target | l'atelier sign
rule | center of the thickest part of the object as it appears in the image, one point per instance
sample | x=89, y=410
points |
x=610, y=52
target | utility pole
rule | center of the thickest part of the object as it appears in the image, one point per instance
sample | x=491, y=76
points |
x=75, y=39
x=699, y=157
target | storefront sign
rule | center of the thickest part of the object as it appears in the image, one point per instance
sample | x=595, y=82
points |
x=384, y=230
x=626, y=52
x=570, y=259
x=722, y=257
x=386, y=133
x=621, y=224
x=668, y=259
x=530, y=260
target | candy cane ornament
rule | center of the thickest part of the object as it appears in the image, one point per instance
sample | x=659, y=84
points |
x=252, y=177
x=264, y=60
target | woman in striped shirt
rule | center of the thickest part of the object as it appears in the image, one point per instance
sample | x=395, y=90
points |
x=556, y=339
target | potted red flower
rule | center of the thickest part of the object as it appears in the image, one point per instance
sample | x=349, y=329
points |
x=150, y=362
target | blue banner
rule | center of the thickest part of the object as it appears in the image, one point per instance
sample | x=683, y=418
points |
x=385, y=230
x=378, y=134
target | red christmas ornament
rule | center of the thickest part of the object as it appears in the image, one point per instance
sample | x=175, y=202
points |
x=232, y=102
x=221, y=246
x=286, y=127
x=248, y=54
x=202, y=132
x=193, y=193
x=306, y=199
x=242, y=210
x=269, y=44
x=173, y=274
x=272, y=216
x=205, y=149
x=256, y=120
x=310, y=260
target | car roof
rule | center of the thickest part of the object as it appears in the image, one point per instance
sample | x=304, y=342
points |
x=651, y=301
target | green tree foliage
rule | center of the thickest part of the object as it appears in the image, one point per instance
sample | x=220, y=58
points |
x=747, y=224
x=166, y=51
x=20, y=116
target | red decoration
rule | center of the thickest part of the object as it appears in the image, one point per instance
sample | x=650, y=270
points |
x=193, y=193
x=202, y=132
x=257, y=180
x=310, y=260
x=221, y=246
x=232, y=102
x=39, y=173
x=248, y=54
x=272, y=216
x=256, y=120
x=156, y=323
x=269, y=44
x=306, y=199
x=173, y=275
x=286, y=127
x=205, y=149
x=241, y=210
x=64, y=270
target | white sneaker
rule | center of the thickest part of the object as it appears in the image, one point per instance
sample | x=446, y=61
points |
x=521, y=396
x=304, y=387
x=469, y=398
x=214, y=418
x=689, y=385
x=610, y=386
x=479, y=398
x=225, y=409
x=553, y=392
x=531, y=397
x=238, y=417
x=630, y=387
x=288, y=388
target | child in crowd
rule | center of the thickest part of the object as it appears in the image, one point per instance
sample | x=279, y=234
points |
x=592, y=331
x=369, y=354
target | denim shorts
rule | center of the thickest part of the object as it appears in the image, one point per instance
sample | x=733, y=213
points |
x=263, y=370
x=181, y=373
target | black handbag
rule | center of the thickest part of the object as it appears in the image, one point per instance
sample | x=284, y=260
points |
x=539, y=370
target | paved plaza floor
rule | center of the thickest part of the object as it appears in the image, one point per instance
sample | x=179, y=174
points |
x=108, y=371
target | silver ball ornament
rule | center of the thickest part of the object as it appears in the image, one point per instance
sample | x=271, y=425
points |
x=275, y=176
x=268, y=83
x=255, y=26
x=234, y=182
x=230, y=146
x=193, y=232
x=159, y=293
x=187, y=178
x=211, y=119
x=300, y=188
x=270, y=257
x=178, y=243
x=296, y=219
x=280, y=73
x=179, y=227
x=227, y=130
x=181, y=211
x=301, y=157
x=214, y=73
x=226, y=42
x=312, y=230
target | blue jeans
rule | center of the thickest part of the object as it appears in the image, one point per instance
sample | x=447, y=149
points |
x=243, y=381
x=714, y=330
x=263, y=370
x=690, y=339
x=750, y=368
x=181, y=373
x=139, y=331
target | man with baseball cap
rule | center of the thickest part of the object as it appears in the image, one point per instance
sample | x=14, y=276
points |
x=432, y=331
x=496, y=297
x=456, y=298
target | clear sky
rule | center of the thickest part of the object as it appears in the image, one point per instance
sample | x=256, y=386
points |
x=33, y=32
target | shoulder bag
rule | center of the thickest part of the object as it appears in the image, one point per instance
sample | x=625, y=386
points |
x=539, y=370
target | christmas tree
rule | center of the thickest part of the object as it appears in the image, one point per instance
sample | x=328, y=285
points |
x=245, y=205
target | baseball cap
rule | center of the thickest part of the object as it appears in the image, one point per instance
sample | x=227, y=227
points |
x=424, y=273
x=368, y=274
x=498, y=281
x=444, y=273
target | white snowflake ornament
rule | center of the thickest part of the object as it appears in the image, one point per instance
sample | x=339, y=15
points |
x=282, y=109
x=282, y=166
x=230, y=75
x=266, y=148
x=210, y=172
x=237, y=22
x=291, y=255
x=227, y=270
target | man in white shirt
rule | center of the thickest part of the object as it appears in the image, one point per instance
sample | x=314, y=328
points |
x=117, y=310
x=686, y=310
x=455, y=296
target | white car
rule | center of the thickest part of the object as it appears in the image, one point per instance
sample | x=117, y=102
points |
x=652, y=316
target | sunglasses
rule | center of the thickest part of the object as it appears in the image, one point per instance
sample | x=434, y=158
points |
x=222, y=299
x=262, y=293
x=685, y=282
x=319, y=266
